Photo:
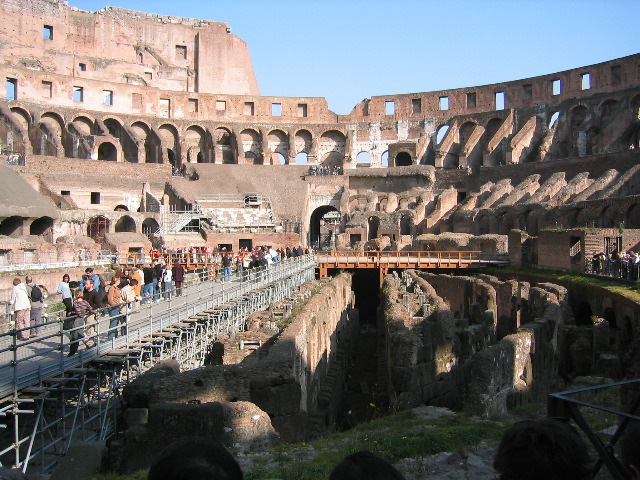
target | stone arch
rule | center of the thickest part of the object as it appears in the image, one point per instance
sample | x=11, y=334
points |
x=150, y=226
x=441, y=132
x=125, y=224
x=592, y=139
x=363, y=159
x=303, y=141
x=20, y=143
x=491, y=128
x=302, y=158
x=610, y=316
x=606, y=109
x=107, y=151
x=42, y=226
x=121, y=208
x=403, y=159
x=278, y=143
x=484, y=225
x=51, y=128
x=406, y=222
x=466, y=129
x=26, y=118
x=250, y=143
x=585, y=218
x=632, y=219
x=578, y=115
x=331, y=148
x=506, y=222
x=195, y=143
x=373, y=224
x=97, y=227
x=146, y=141
x=609, y=218
x=170, y=145
x=82, y=125
x=114, y=127
x=635, y=108
x=127, y=145
x=579, y=118
x=570, y=219
x=317, y=235
x=583, y=314
x=384, y=159
x=531, y=222
x=223, y=148
x=12, y=226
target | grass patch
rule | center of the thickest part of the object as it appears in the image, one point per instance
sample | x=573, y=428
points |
x=403, y=435
x=573, y=279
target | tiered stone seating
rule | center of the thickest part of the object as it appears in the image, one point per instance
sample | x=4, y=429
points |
x=241, y=218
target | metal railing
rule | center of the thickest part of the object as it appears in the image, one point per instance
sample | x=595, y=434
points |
x=12, y=261
x=32, y=371
x=405, y=259
x=602, y=413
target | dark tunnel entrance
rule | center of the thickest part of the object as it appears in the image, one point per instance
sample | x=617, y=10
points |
x=360, y=395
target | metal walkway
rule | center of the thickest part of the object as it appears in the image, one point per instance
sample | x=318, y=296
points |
x=50, y=400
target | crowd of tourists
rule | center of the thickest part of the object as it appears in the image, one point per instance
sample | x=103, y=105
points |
x=324, y=170
x=625, y=265
x=529, y=450
x=162, y=278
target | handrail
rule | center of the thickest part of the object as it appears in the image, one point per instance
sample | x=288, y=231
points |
x=404, y=257
x=26, y=363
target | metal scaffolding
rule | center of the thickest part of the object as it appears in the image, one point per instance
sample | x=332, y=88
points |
x=50, y=399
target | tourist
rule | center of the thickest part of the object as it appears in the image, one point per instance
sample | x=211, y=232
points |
x=88, y=273
x=65, y=290
x=114, y=301
x=157, y=278
x=195, y=459
x=83, y=314
x=148, y=288
x=167, y=282
x=177, y=272
x=548, y=449
x=227, y=260
x=364, y=466
x=37, y=306
x=131, y=301
x=94, y=298
x=135, y=274
x=22, y=306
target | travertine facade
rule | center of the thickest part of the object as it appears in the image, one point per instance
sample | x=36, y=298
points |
x=90, y=97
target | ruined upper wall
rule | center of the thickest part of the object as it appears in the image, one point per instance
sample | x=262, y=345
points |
x=125, y=46
x=551, y=89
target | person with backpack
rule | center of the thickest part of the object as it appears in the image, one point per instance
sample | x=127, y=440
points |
x=37, y=306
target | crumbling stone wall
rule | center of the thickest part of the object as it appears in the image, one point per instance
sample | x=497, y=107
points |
x=439, y=359
x=298, y=383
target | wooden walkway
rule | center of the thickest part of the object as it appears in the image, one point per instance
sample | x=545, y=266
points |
x=386, y=260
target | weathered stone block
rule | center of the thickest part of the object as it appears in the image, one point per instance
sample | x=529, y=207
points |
x=138, y=392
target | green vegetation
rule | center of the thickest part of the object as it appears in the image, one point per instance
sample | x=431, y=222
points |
x=403, y=435
x=575, y=280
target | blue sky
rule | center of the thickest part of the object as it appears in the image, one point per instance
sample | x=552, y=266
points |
x=349, y=50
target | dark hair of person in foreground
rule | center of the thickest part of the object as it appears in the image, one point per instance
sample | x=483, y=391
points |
x=364, y=466
x=630, y=450
x=195, y=459
x=545, y=449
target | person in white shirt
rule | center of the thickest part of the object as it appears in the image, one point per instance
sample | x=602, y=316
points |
x=22, y=306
